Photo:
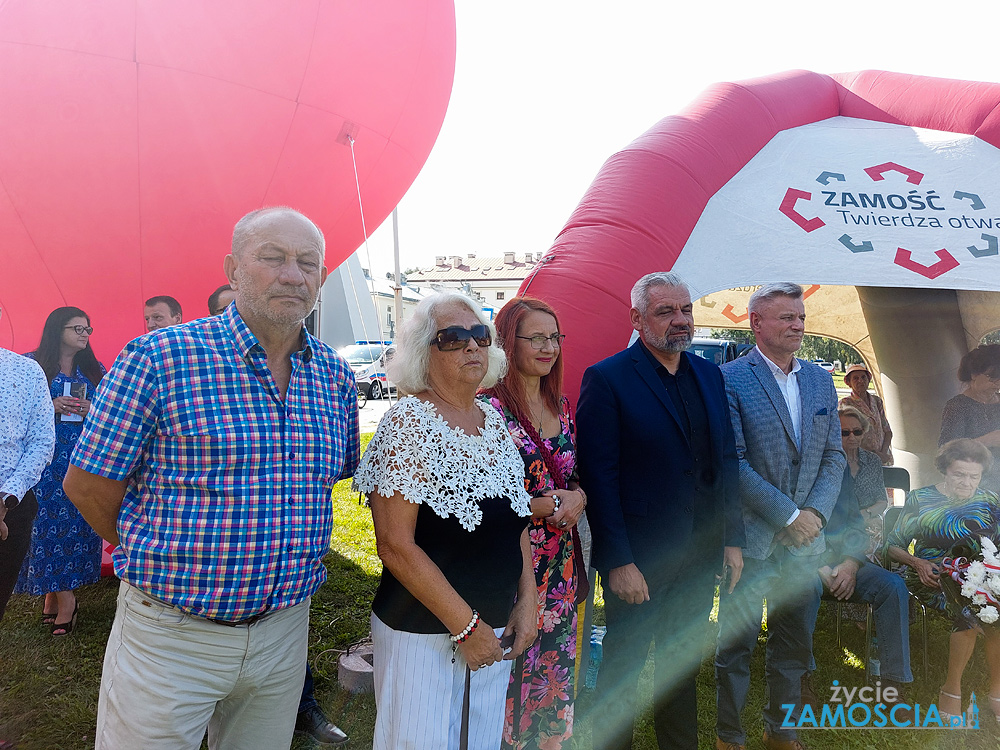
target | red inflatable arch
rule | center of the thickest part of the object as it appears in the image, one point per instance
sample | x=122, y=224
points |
x=799, y=177
x=135, y=134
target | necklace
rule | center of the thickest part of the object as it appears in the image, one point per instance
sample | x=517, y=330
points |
x=536, y=418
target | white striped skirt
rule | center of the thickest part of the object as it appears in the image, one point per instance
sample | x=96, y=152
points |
x=419, y=693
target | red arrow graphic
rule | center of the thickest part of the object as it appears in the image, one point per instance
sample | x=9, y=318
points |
x=810, y=291
x=787, y=207
x=876, y=173
x=945, y=263
x=730, y=313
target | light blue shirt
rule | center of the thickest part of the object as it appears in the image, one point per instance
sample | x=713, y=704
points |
x=27, y=423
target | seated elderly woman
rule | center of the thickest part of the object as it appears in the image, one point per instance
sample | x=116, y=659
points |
x=956, y=511
x=446, y=488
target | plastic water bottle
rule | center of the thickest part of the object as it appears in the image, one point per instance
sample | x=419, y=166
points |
x=874, y=665
x=596, y=655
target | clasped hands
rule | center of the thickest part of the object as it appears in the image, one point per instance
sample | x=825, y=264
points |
x=571, y=505
x=483, y=648
x=802, y=531
x=841, y=580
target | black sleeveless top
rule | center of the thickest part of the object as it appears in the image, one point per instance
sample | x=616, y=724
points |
x=483, y=565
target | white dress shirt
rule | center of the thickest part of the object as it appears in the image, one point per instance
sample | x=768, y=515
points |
x=789, y=387
x=27, y=423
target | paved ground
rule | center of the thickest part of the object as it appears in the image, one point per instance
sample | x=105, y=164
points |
x=372, y=412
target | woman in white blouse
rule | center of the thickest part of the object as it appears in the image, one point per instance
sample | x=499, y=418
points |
x=446, y=488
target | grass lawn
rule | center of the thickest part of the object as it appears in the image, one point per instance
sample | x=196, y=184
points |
x=48, y=687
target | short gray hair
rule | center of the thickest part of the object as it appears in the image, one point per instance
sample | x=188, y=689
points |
x=408, y=367
x=846, y=410
x=640, y=292
x=769, y=292
x=246, y=227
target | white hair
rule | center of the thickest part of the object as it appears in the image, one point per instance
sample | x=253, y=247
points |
x=769, y=292
x=408, y=367
x=640, y=292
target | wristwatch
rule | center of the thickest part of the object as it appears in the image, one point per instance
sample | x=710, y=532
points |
x=10, y=501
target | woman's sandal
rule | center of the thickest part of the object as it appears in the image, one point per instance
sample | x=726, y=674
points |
x=947, y=718
x=66, y=627
x=49, y=619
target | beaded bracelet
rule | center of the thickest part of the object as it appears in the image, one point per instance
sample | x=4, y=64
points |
x=469, y=629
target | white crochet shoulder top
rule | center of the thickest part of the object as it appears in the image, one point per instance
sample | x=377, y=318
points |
x=416, y=453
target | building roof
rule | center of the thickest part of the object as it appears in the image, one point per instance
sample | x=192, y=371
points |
x=384, y=288
x=455, y=268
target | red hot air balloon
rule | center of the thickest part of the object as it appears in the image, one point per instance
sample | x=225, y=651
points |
x=136, y=133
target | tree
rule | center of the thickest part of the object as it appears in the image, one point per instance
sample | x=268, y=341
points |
x=813, y=347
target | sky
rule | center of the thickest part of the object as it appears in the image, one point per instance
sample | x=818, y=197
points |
x=545, y=91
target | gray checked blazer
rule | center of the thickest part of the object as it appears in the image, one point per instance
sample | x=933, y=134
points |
x=775, y=476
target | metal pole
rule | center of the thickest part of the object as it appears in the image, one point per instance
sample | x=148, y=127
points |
x=398, y=288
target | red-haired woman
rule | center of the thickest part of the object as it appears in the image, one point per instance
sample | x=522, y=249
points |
x=530, y=398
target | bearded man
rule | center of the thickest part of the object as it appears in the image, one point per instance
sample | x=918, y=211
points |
x=658, y=461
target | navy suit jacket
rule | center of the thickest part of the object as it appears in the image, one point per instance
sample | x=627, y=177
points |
x=637, y=468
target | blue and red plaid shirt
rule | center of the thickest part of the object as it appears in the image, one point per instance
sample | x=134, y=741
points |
x=227, y=511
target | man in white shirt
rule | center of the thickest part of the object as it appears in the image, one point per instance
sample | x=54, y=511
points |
x=784, y=414
x=27, y=439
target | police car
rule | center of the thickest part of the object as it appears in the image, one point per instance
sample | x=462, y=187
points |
x=367, y=359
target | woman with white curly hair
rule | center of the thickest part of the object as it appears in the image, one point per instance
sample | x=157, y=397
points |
x=446, y=488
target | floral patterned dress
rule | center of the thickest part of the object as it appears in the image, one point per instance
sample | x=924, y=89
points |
x=936, y=524
x=546, y=694
x=65, y=551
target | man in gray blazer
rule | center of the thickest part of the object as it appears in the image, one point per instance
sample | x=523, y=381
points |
x=784, y=413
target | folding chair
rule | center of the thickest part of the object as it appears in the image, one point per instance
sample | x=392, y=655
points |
x=889, y=519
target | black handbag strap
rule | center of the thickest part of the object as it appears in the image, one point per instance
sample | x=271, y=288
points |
x=463, y=743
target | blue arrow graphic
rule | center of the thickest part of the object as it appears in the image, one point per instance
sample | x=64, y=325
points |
x=827, y=176
x=977, y=202
x=992, y=247
x=863, y=247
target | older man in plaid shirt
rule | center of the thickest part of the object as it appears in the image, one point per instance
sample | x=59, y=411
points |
x=209, y=456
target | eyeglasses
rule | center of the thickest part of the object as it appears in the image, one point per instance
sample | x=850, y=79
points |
x=857, y=433
x=537, y=342
x=81, y=330
x=455, y=337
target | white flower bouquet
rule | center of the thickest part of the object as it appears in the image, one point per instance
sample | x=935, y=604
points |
x=975, y=583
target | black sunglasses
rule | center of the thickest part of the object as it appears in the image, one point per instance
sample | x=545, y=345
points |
x=857, y=433
x=455, y=337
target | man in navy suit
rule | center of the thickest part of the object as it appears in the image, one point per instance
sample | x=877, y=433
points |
x=658, y=459
x=791, y=463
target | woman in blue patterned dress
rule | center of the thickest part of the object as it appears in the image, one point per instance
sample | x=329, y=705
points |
x=539, y=706
x=65, y=552
x=938, y=518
